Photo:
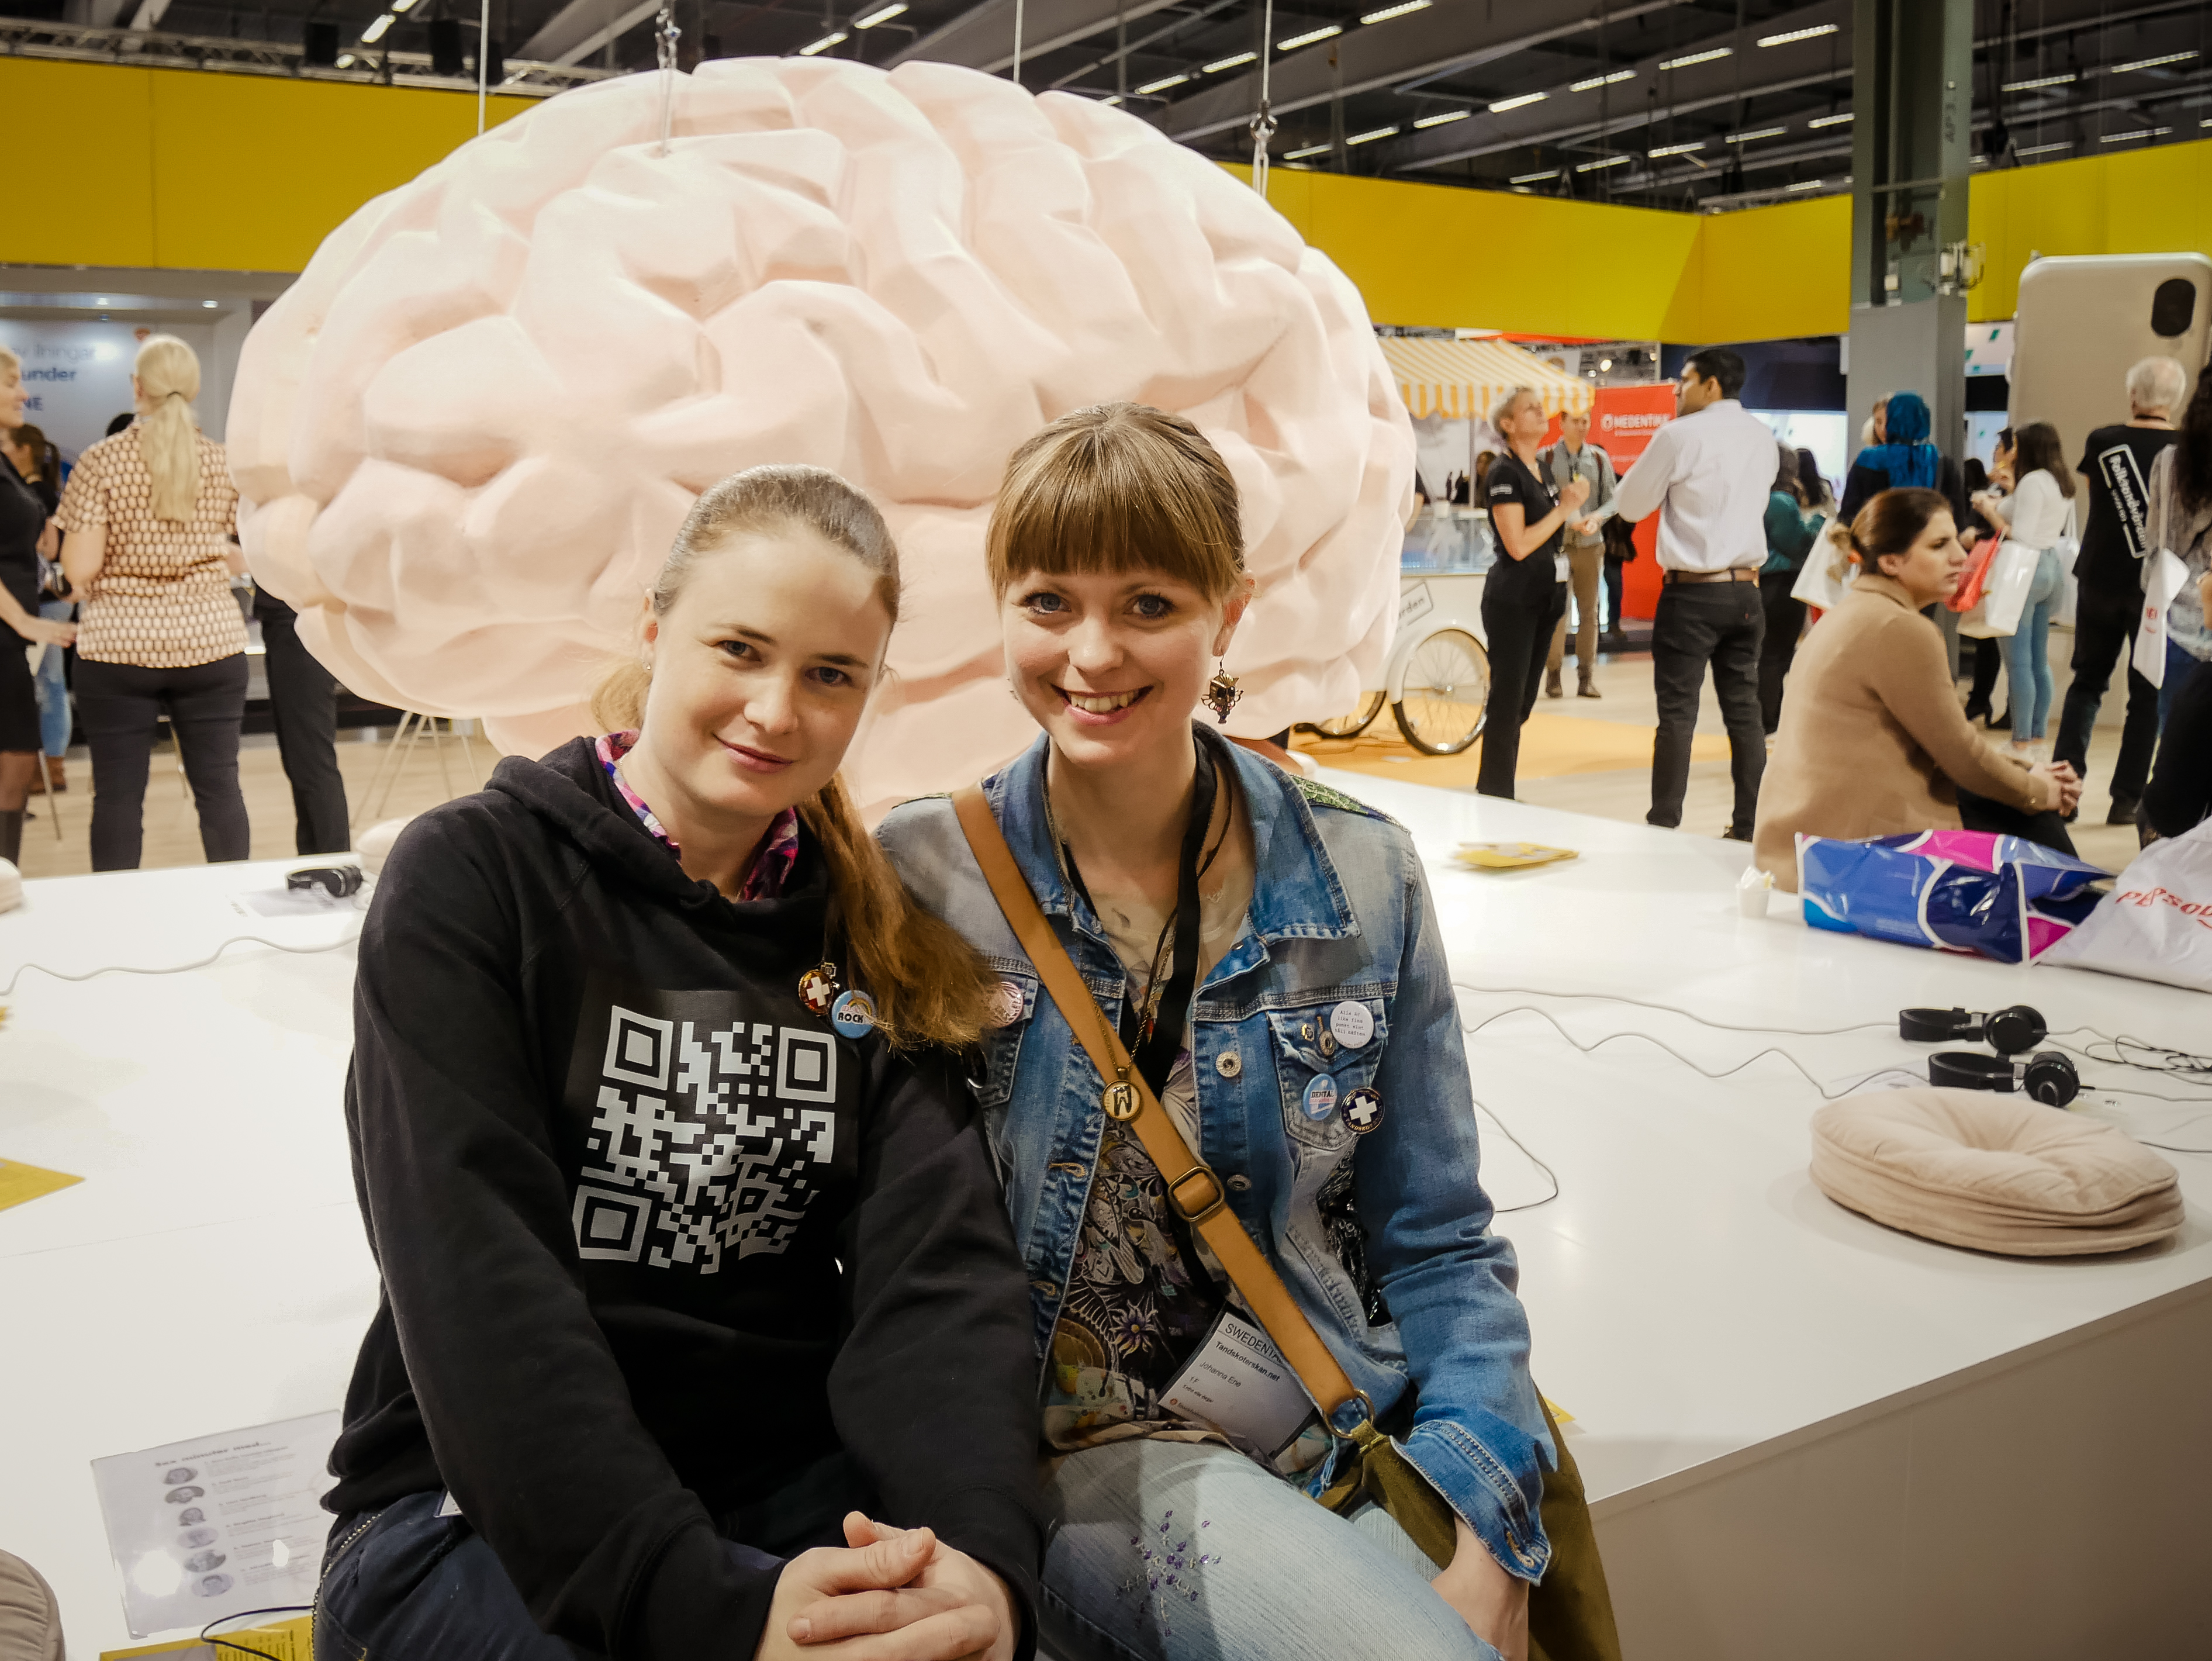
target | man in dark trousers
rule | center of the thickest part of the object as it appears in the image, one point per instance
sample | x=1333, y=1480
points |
x=303, y=698
x=1707, y=473
x=2117, y=461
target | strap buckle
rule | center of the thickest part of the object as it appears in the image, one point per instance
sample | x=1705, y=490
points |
x=1361, y=1433
x=1212, y=1197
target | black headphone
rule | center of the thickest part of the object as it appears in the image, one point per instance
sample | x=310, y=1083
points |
x=2007, y=1031
x=2046, y=1076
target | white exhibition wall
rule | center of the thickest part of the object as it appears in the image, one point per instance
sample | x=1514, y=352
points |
x=78, y=372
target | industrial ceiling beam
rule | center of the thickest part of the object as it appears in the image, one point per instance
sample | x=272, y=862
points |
x=1458, y=35
x=982, y=37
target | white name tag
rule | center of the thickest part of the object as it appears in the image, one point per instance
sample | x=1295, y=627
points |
x=1239, y=1384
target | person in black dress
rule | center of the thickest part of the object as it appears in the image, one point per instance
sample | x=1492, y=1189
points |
x=1525, y=595
x=23, y=526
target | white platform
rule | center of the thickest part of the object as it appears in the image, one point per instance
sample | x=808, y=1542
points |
x=1805, y=1435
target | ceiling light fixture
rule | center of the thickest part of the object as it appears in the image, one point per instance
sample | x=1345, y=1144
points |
x=2042, y=81
x=2045, y=150
x=1300, y=155
x=207, y=305
x=1712, y=56
x=1597, y=81
x=1310, y=37
x=1518, y=102
x=1806, y=185
x=345, y=62
x=375, y=32
x=1785, y=39
x=1221, y=64
x=1440, y=120
x=882, y=15
x=2151, y=63
x=1677, y=149
x=1605, y=366
x=1756, y=133
x=1404, y=9
x=822, y=45
x=2139, y=132
x=1371, y=134
x=1110, y=100
x=1533, y=178
x=1830, y=120
x=402, y=5
x=1150, y=87
x=1604, y=162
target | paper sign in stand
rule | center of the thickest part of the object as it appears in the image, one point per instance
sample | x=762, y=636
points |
x=220, y=1525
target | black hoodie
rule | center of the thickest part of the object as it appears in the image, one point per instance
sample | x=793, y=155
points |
x=653, y=1237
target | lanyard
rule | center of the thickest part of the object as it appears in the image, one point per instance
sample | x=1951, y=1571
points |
x=1152, y=1027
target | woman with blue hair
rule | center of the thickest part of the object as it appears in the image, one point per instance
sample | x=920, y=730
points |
x=1905, y=461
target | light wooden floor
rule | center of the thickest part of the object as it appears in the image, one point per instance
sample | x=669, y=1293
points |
x=172, y=833
x=1556, y=774
x=1608, y=776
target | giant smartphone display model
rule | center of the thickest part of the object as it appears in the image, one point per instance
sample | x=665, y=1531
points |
x=2084, y=320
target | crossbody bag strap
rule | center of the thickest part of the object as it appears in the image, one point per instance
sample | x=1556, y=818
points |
x=1192, y=1187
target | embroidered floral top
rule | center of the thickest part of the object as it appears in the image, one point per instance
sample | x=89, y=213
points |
x=779, y=849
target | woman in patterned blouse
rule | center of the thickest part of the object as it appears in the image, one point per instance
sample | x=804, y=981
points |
x=150, y=523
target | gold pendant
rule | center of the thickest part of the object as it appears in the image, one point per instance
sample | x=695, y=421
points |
x=1120, y=1101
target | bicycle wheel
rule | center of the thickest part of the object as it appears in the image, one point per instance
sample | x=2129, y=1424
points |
x=1350, y=725
x=1447, y=686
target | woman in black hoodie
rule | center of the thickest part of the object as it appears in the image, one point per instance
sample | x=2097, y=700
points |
x=691, y=1253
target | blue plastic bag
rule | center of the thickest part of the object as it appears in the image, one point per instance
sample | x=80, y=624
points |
x=1957, y=891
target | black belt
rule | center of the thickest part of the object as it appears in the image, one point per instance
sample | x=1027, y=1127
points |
x=1733, y=574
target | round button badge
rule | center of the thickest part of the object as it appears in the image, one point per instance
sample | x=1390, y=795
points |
x=1362, y=1110
x=1352, y=1022
x=1321, y=1097
x=853, y=1014
x=1008, y=1002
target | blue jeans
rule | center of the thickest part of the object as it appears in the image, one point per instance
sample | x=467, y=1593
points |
x=2180, y=667
x=2027, y=652
x=1181, y=1551
x=52, y=685
x=405, y=1583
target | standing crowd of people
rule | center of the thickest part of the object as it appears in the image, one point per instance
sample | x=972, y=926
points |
x=1866, y=731
x=119, y=571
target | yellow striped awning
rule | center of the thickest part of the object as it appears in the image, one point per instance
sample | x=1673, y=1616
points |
x=1459, y=379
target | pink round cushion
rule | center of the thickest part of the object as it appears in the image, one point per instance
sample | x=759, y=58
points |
x=1995, y=1172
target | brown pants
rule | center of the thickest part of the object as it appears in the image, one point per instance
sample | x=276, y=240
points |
x=1584, y=566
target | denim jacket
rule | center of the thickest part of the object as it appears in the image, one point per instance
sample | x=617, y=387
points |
x=1339, y=911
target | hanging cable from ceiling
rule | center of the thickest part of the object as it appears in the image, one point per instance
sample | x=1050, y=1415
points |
x=1263, y=119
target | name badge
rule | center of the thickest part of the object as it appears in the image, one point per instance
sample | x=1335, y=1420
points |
x=1238, y=1382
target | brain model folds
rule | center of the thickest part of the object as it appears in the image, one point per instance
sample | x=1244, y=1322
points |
x=468, y=434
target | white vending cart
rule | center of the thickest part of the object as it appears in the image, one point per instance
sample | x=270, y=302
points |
x=1437, y=680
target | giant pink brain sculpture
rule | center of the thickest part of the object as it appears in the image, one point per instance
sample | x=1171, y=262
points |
x=467, y=435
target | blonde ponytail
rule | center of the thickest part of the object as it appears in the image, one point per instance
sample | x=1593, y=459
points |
x=929, y=985
x=168, y=380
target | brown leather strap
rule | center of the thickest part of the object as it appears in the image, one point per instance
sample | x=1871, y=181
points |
x=1193, y=1189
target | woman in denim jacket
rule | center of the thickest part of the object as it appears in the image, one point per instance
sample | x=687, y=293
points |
x=1321, y=1073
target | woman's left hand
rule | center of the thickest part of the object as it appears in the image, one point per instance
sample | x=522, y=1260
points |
x=1494, y=1604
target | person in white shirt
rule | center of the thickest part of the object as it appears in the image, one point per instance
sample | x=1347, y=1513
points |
x=2034, y=517
x=1708, y=473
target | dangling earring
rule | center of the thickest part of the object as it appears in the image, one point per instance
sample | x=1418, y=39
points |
x=1222, y=693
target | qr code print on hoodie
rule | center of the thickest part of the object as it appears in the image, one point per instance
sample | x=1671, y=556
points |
x=704, y=1139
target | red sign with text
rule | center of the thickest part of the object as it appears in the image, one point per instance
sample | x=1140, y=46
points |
x=1622, y=421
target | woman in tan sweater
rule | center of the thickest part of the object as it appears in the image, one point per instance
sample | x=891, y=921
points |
x=1873, y=740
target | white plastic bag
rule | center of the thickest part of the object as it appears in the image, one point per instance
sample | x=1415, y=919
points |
x=2156, y=924
x=1826, y=572
x=2162, y=583
x=2005, y=597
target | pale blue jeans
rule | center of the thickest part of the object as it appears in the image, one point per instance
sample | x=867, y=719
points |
x=1180, y=1551
x=51, y=685
x=2027, y=652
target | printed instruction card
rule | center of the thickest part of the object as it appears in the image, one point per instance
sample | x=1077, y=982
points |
x=219, y=1525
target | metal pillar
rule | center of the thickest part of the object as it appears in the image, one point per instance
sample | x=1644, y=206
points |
x=1911, y=90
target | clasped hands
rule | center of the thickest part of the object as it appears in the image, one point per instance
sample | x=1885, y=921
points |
x=2068, y=781
x=893, y=1595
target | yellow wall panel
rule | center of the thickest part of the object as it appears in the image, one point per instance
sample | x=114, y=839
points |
x=87, y=198
x=1770, y=272
x=252, y=174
